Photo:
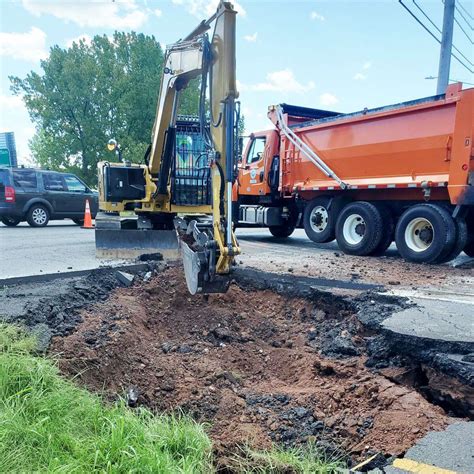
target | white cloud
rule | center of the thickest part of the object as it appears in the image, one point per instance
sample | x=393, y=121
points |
x=10, y=102
x=367, y=65
x=316, y=16
x=251, y=38
x=206, y=8
x=158, y=12
x=29, y=46
x=279, y=81
x=97, y=13
x=360, y=77
x=328, y=99
x=86, y=38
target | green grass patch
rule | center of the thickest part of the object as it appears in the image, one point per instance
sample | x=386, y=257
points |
x=47, y=424
x=306, y=459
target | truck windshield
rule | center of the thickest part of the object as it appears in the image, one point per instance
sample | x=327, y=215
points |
x=256, y=150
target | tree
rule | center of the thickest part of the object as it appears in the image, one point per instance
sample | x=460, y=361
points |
x=89, y=93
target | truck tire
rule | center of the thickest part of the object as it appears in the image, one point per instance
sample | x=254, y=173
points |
x=37, y=216
x=388, y=230
x=460, y=243
x=425, y=233
x=359, y=228
x=281, y=231
x=10, y=221
x=319, y=219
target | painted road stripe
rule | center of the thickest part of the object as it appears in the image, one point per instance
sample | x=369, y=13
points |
x=419, y=467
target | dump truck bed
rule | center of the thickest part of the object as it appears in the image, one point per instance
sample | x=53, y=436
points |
x=426, y=143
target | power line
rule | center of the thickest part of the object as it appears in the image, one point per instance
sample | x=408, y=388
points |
x=432, y=34
x=463, y=17
x=434, y=24
x=465, y=10
x=462, y=29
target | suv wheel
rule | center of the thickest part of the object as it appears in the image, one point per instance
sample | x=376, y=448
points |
x=78, y=221
x=10, y=221
x=38, y=216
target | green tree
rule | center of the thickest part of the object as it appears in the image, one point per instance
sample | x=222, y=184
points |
x=89, y=93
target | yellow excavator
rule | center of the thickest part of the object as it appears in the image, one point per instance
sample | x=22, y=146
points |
x=182, y=194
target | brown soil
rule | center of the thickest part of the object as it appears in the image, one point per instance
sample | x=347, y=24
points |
x=242, y=362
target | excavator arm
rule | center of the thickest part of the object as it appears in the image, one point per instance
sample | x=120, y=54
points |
x=208, y=244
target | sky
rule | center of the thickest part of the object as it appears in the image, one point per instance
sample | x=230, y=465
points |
x=336, y=55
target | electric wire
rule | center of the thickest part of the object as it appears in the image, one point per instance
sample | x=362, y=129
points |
x=434, y=24
x=465, y=9
x=462, y=16
x=432, y=34
x=464, y=31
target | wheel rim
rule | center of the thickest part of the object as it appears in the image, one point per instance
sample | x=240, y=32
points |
x=354, y=229
x=39, y=216
x=419, y=234
x=319, y=219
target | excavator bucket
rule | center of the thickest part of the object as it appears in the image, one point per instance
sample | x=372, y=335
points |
x=196, y=271
x=199, y=259
x=119, y=238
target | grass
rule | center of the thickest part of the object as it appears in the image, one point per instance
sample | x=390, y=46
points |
x=47, y=424
x=278, y=460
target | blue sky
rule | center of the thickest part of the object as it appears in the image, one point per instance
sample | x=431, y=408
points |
x=339, y=55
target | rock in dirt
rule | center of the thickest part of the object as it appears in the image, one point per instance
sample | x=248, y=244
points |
x=125, y=278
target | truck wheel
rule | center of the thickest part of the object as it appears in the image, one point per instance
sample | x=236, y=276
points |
x=319, y=221
x=359, y=228
x=37, y=216
x=388, y=230
x=281, y=231
x=425, y=233
x=460, y=243
x=10, y=221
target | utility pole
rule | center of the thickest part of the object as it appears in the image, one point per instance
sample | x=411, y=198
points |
x=446, y=46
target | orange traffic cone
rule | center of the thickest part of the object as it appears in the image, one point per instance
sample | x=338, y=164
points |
x=87, y=217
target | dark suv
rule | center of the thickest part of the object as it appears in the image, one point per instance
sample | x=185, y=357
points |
x=38, y=195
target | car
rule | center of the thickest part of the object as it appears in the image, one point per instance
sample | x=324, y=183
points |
x=38, y=196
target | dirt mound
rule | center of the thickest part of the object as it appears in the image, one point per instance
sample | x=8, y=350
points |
x=249, y=362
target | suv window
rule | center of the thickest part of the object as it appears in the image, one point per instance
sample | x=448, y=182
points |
x=74, y=185
x=25, y=179
x=256, y=150
x=53, y=182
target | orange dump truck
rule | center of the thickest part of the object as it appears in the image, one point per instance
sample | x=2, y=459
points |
x=403, y=172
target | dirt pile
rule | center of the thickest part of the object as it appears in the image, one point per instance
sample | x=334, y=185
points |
x=252, y=363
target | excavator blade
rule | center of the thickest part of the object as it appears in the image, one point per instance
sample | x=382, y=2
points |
x=119, y=238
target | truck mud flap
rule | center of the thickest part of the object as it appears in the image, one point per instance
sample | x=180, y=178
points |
x=131, y=243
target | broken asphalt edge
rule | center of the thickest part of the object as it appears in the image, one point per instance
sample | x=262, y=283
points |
x=131, y=268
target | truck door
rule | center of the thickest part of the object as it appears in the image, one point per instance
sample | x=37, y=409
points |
x=252, y=172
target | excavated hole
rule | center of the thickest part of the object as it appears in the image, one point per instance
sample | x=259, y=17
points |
x=259, y=366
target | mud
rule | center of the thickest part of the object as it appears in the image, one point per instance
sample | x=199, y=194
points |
x=270, y=361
